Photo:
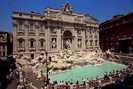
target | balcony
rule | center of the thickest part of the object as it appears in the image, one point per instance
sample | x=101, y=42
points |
x=21, y=49
x=42, y=49
x=32, y=48
x=31, y=33
x=41, y=33
x=3, y=40
x=20, y=33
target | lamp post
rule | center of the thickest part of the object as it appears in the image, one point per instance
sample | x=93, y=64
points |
x=47, y=79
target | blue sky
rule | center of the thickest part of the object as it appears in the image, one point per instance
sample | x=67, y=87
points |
x=100, y=9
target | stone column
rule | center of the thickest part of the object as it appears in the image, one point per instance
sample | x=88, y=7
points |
x=26, y=40
x=75, y=39
x=98, y=38
x=26, y=46
x=59, y=41
x=48, y=40
x=83, y=39
x=14, y=40
x=62, y=32
x=37, y=45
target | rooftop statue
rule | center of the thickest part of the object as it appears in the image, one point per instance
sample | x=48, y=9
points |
x=67, y=9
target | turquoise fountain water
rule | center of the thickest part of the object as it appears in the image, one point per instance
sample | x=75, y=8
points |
x=86, y=72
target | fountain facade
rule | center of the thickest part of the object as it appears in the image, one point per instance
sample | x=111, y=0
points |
x=55, y=30
x=68, y=65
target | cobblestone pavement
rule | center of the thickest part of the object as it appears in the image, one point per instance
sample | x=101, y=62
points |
x=12, y=85
x=31, y=82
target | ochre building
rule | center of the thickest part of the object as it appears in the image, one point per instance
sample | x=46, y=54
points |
x=117, y=34
x=54, y=30
x=5, y=45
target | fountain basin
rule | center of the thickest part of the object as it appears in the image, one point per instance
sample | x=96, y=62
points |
x=86, y=72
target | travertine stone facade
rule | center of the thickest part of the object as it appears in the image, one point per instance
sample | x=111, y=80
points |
x=54, y=30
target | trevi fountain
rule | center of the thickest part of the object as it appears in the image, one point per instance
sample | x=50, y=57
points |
x=67, y=65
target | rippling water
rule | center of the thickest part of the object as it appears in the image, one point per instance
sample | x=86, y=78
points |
x=86, y=72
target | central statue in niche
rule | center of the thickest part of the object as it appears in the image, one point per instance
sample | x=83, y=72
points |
x=67, y=40
x=68, y=44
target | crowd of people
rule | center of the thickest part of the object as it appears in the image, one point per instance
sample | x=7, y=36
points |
x=8, y=72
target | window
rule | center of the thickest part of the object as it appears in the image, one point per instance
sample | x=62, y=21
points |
x=21, y=43
x=86, y=42
x=91, y=35
x=4, y=54
x=0, y=52
x=96, y=42
x=90, y=31
x=31, y=43
x=1, y=38
x=79, y=32
x=53, y=42
x=91, y=42
x=20, y=29
x=27, y=27
x=4, y=47
x=32, y=56
x=53, y=30
x=15, y=27
x=42, y=42
x=41, y=28
x=93, y=30
x=31, y=29
x=37, y=26
x=96, y=36
x=79, y=43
